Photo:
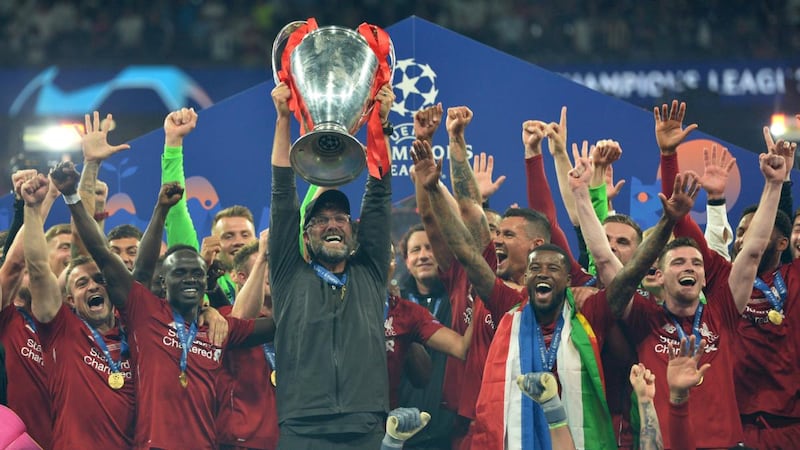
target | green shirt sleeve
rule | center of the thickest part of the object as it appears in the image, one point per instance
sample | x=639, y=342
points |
x=599, y=198
x=179, y=226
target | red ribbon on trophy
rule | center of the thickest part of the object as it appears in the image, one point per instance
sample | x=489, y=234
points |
x=378, y=162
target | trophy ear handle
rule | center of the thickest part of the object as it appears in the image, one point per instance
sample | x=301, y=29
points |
x=392, y=58
x=279, y=43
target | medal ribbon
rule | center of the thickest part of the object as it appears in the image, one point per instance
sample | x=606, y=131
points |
x=436, y=305
x=186, y=339
x=115, y=366
x=329, y=277
x=780, y=286
x=269, y=353
x=698, y=314
x=28, y=318
x=548, y=356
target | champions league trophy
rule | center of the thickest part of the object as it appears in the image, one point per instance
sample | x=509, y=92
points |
x=332, y=74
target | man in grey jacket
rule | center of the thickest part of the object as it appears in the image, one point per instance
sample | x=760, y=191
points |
x=332, y=387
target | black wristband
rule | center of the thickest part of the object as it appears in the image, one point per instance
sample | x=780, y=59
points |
x=716, y=201
x=388, y=128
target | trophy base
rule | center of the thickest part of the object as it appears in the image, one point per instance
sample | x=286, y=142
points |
x=328, y=158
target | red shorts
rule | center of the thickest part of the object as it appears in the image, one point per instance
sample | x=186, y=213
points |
x=767, y=432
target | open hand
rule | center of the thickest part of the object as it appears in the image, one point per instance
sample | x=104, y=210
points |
x=482, y=167
x=428, y=171
x=669, y=126
x=682, y=371
x=718, y=165
x=683, y=195
x=94, y=138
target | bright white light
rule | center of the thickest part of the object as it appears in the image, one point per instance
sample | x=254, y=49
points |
x=778, y=127
x=52, y=138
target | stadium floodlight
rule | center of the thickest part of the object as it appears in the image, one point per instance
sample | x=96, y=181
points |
x=60, y=137
x=778, y=126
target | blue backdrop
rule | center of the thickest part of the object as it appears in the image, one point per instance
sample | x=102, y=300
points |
x=227, y=156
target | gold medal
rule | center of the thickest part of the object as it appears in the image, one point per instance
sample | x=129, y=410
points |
x=700, y=382
x=183, y=379
x=775, y=317
x=116, y=380
x=273, y=378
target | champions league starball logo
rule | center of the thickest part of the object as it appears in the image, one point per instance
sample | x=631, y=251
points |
x=416, y=88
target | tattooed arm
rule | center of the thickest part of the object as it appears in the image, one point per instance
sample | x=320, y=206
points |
x=644, y=385
x=465, y=187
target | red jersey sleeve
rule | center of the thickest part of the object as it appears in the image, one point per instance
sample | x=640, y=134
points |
x=640, y=318
x=425, y=324
x=598, y=313
x=681, y=431
x=504, y=296
x=540, y=198
x=238, y=331
x=51, y=331
x=6, y=315
x=140, y=304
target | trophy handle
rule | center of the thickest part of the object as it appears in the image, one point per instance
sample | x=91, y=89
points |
x=280, y=39
x=392, y=61
x=392, y=58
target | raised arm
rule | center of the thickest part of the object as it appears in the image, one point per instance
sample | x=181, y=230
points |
x=426, y=122
x=458, y=238
x=150, y=245
x=718, y=164
x=669, y=134
x=13, y=260
x=465, y=187
x=540, y=197
x=45, y=294
x=605, y=153
x=118, y=279
x=374, y=233
x=644, y=386
x=281, y=143
x=177, y=125
x=251, y=297
x=622, y=288
x=593, y=232
x=12, y=270
x=557, y=144
x=683, y=374
x=745, y=265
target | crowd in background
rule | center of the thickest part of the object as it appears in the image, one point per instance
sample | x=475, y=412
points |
x=240, y=32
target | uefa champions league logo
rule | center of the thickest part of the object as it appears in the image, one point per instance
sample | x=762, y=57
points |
x=416, y=88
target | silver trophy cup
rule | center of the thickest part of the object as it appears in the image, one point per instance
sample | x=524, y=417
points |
x=333, y=70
